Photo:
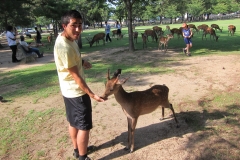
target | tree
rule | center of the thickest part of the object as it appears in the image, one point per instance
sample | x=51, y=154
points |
x=195, y=8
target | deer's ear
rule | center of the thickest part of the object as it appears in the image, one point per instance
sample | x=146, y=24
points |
x=122, y=81
x=117, y=72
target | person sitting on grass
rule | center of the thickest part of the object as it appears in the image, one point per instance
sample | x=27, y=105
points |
x=28, y=48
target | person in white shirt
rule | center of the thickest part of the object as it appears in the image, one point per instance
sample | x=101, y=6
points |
x=11, y=38
x=28, y=48
x=107, y=30
x=119, y=32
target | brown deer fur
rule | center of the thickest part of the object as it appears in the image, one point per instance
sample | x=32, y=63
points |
x=215, y=26
x=144, y=39
x=114, y=32
x=193, y=27
x=176, y=31
x=163, y=41
x=231, y=30
x=137, y=103
x=135, y=36
x=211, y=32
x=152, y=33
x=96, y=38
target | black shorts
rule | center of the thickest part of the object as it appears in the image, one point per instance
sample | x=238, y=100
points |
x=79, y=112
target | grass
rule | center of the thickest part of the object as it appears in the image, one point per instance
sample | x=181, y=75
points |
x=217, y=116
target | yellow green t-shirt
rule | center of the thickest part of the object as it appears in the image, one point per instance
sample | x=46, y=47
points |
x=67, y=55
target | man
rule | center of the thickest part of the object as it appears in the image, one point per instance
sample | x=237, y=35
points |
x=38, y=37
x=28, y=48
x=187, y=34
x=107, y=30
x=76, y=93
x=11, y=38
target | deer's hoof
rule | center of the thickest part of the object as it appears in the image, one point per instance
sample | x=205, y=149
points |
x=126, y=148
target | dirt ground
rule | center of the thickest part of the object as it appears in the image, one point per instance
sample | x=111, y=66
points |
x=194, y=79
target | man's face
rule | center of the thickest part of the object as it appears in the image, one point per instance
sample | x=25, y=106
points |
x=73, y=29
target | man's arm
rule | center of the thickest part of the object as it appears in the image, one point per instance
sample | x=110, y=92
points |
x=82, y=84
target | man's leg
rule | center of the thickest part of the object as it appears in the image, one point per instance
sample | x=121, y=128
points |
x=82, y=141
x=35, y=50
x=73, y=132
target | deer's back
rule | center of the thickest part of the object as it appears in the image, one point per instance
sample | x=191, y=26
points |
x=143, y=102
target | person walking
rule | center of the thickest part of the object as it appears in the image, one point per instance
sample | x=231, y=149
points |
x=11, y=38
x=107, y=31
x=119, y=32
x=38, y=37
x=187, y=34
x=76, y=93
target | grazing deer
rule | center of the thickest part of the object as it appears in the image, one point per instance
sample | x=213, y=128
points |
x=114, y=32
x=96, y=38
x=231, y=30
x=137, y=103
x=193, y=27
x=135, y=36
x=202, y=27
x=168, y=28
x=215, y=26
x=176, y=31
x=152, y=33
x=210, y=31
x=50, y=38
x=157, y=29
x=163, y=41
x=144, y=39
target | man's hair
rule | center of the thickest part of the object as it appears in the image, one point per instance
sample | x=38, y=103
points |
x=22, y=38
x=65, y=19
x=9, y=28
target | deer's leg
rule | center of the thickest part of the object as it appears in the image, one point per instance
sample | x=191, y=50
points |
x=171, y=107
x=162, y=113
x=133, y=126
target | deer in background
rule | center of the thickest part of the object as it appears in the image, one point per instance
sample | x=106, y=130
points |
x=202, y=27
x=210, y=31
x=176, y=31
x=144, y=39
x=163, y=41
x=137, y=103
x=114, y=32
x=50, y=39
x=168, y=28
x=231, y=30
x=96, y=38
x=215, y=26
x=193, y=27
x=152, y=33
x=135, y=36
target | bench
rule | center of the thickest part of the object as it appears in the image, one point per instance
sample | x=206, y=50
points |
x=25, y=56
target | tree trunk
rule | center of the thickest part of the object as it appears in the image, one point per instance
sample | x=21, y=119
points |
x=80, y=41
x=130, y=31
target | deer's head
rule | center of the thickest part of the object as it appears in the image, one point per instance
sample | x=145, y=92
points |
x=113, y=84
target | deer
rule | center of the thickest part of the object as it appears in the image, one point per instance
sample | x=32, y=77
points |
x=163, y=41
x=193, y=27
x=50, y=38
x=202, y=27
x=210, y=31
x=168, y=28
x=96, y=38
x=157, y=29
x=215, y=26
x=137, y=103
x=177, y=31
x=114, y=32
x=231, y=30
x=152, y=33
x=135, y=36
x=144, y=39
